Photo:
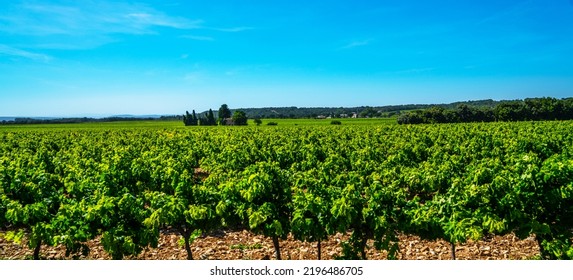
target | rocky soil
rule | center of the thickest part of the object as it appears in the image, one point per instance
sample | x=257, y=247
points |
x=243, y=245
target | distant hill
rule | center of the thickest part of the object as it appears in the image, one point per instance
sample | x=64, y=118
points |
x=49, y=120
x=363, y=111
x=529, y=109
x=136, y=116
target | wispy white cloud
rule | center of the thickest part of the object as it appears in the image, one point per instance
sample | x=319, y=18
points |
x=355, y=44
x=197, y=38
x=98, y=17
x=158, y=19
x=81, y=25
x=209, y=38
x=10, y=51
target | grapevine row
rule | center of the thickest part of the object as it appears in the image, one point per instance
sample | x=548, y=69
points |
x=451, y=182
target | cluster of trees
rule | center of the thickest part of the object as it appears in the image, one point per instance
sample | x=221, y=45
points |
x=239, y=118
x=530, y=109
x=224, y=117
x=207, y=119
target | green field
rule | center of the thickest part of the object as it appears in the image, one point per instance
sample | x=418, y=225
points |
x=179, y=124
x=326, y=122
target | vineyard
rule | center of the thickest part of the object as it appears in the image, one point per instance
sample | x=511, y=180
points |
x=374, y=184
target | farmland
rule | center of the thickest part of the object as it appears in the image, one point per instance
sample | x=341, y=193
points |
x=370, y=184
x=179, y=124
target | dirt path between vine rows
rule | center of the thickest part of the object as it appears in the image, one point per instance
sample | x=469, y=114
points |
x=243, y=245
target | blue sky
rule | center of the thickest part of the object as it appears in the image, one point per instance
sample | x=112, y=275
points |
x=103, y=57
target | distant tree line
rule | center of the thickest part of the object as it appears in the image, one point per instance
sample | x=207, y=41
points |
x=224, y=117
x=530, y=109
x=466, y=111
x=349, y=112
x=83, y=120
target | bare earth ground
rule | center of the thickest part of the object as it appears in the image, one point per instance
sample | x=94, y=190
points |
x=243, y=245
